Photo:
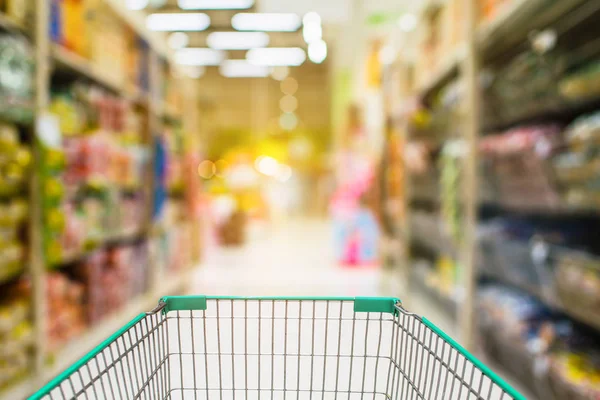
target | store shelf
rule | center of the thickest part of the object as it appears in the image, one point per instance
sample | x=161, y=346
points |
x=514, y=24
x=102, y=242
x=446, y=303
x=553, y=304
x=66, y=60
x=447, y=70
x=564, y=112
x=77, y=348
x=7, y=23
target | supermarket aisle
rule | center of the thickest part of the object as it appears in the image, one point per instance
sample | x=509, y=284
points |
x=293, y=259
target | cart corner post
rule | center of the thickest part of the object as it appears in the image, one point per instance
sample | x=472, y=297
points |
x=375, y=304
x=189, y=303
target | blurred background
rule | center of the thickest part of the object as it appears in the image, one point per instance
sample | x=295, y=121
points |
x=443, y=151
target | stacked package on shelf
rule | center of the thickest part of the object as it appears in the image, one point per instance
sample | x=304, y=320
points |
x=101, y=172
x=65, y=315
x=111, y=278
x=89, y=28
x=519, y=160
x=555, y=357
x=16, y=78
x=16, y=335
x=578, y=167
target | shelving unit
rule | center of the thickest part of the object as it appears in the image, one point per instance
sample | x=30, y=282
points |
x=487, y=45
x=52, y=59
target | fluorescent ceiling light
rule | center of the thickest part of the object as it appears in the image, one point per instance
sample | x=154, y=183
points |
x=243, y=69
x=317, y=51
x=312, y=33
x=215, y=4
x=407, y=22
x=273, y=22
x=276, y=56
x=311, y=18
x=177, y=22
x=136, y=4
x=199, y=56
x=237, y=40
x=178, y=40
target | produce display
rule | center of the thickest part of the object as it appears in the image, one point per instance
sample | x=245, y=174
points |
x=16, y=333
x=16, y=78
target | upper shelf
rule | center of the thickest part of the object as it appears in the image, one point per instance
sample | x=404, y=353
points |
x=517, y=21
x=9, y=24
x=509, y=29
x=67, y=60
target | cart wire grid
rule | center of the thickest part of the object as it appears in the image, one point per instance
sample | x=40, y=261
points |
x=203, y=347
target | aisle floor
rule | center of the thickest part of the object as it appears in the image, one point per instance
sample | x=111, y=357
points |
x=296, y=258
x=292, y=259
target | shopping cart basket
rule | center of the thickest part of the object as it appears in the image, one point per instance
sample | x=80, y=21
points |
x=207, y=347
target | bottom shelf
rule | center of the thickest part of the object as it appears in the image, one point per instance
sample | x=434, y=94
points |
x=86, y=342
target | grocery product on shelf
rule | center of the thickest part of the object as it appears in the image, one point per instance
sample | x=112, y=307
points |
x=576, y=168
x=100, y=170
x=16, y=78
x=581, y=84
x=65, y=311
x=15, y=160
x=17, y=10
x=451, y=159
x=519, y=160
x=16, y=334
x=555, y=357
x=112, y=276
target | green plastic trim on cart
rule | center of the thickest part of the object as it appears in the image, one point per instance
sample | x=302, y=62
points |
x=484, y=368
x=361, y=304
x=84, y=360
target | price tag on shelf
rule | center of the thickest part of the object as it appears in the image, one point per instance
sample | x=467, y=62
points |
x=48, y=130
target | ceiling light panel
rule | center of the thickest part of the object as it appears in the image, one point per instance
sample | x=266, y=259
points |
x=272, y=22
x=243, y=69
x=215, y=4
x=199, y=56
x=277, y=56
x=177, y=22
x=237, y=40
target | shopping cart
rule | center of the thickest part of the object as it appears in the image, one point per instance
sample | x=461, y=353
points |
x=208, y=347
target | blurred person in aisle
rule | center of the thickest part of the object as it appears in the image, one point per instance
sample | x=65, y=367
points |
x=351, y=207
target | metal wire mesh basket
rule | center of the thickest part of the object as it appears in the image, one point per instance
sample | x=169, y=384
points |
x=201, y=347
